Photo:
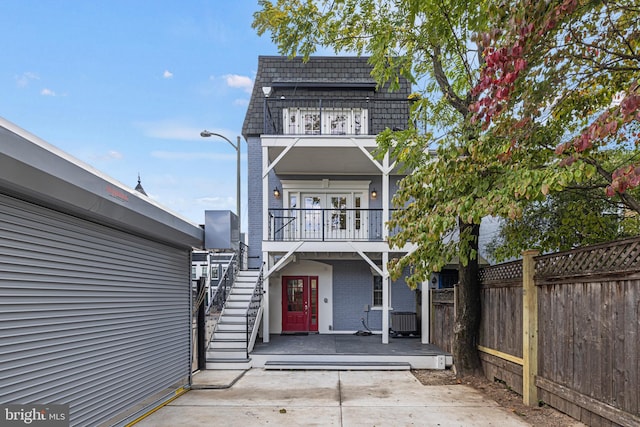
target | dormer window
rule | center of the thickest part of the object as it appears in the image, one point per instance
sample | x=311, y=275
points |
x=326, y=121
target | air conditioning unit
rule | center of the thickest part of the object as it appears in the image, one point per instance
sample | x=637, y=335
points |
x=404, y=323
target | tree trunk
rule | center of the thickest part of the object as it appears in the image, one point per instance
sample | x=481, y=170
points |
x=467, y=323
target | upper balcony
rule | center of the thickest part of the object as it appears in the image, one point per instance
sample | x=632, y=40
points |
x=334, y=136
x=333, y=116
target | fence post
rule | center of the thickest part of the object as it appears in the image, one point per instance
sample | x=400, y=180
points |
x=432, y=314
x=529, y=329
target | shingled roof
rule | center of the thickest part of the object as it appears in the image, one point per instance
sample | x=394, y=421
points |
x=326, y=76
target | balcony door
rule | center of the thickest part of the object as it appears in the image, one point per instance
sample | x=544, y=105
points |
x=325, y=121
x=300, y=304
x=333, y=216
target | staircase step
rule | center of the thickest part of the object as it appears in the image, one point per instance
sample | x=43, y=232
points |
x=234, y=318
x=238, y=297
x=226, y=354
x=240, y=344
x=237, y=304
x=338, y=366
x=249, y=273
x=229, y=335
x=233, y=311
x=232, y=364
x=232, y=327
x=241, y=291
x=248, y=286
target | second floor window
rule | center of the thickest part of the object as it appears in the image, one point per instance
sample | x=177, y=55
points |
x=377, y=291
x=328, y=121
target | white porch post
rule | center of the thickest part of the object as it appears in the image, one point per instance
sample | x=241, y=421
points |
x=386, y=200
x=386, y=197
x=385, y=298
x=426, y=313
x=265, y=299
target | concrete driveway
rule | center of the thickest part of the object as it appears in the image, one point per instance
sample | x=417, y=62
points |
x=327, y=398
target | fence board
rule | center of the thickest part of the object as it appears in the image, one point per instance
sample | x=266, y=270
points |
x=594, y=341
x=619, y=356
x=606, y=336
x=580, y=342
x=631, y=347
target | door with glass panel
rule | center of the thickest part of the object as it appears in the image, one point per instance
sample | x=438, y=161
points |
x=300, y=304
x=333, y=217
x=312, y=217
x=346, y=218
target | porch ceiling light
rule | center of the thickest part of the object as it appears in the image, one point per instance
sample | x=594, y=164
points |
x=374, y=194
x=276, y=192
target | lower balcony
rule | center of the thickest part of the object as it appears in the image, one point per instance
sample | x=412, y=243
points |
x=324, y=225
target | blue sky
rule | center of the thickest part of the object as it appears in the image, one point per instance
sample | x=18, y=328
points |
x=127, y=86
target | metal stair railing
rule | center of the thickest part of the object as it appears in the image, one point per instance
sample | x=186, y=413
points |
x=223, y=289
x=253, y=313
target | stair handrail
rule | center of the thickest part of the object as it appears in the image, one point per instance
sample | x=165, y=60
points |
x=225, y=282
x=253, y=310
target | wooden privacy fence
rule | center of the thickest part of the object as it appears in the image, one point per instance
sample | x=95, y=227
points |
x=564, y=329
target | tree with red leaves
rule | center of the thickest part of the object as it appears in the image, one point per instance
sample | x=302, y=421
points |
x=568, y=70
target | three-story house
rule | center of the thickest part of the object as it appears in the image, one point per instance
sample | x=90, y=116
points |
x=319, y=198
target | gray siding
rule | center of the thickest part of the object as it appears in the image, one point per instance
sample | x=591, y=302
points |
x=254, y=201
x=353, y=289
x=90, y=316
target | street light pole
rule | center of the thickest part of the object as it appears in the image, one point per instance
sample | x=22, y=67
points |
x=207, y=134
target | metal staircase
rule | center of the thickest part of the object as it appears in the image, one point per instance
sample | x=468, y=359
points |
x=236, y=328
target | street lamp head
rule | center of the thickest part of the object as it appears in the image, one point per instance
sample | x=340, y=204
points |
x=205, y=134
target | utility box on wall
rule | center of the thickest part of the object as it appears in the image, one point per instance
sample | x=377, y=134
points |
x=221, y=231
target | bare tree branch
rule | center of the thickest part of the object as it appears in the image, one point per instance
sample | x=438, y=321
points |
x=441, y=78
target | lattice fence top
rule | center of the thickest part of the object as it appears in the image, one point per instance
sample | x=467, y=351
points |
x=506, y=272
x=613, y=257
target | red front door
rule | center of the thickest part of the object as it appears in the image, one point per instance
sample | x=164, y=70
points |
x=300, y=304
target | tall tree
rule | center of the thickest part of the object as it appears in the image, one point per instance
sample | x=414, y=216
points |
x=444, y=198
x=570, y=70
x=565, y=220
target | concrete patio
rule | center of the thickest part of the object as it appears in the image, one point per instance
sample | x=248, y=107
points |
x=327, y=398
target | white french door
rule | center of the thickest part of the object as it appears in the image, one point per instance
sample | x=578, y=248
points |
x=333, y=216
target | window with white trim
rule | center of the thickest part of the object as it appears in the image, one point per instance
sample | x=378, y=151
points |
x=377, y=291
